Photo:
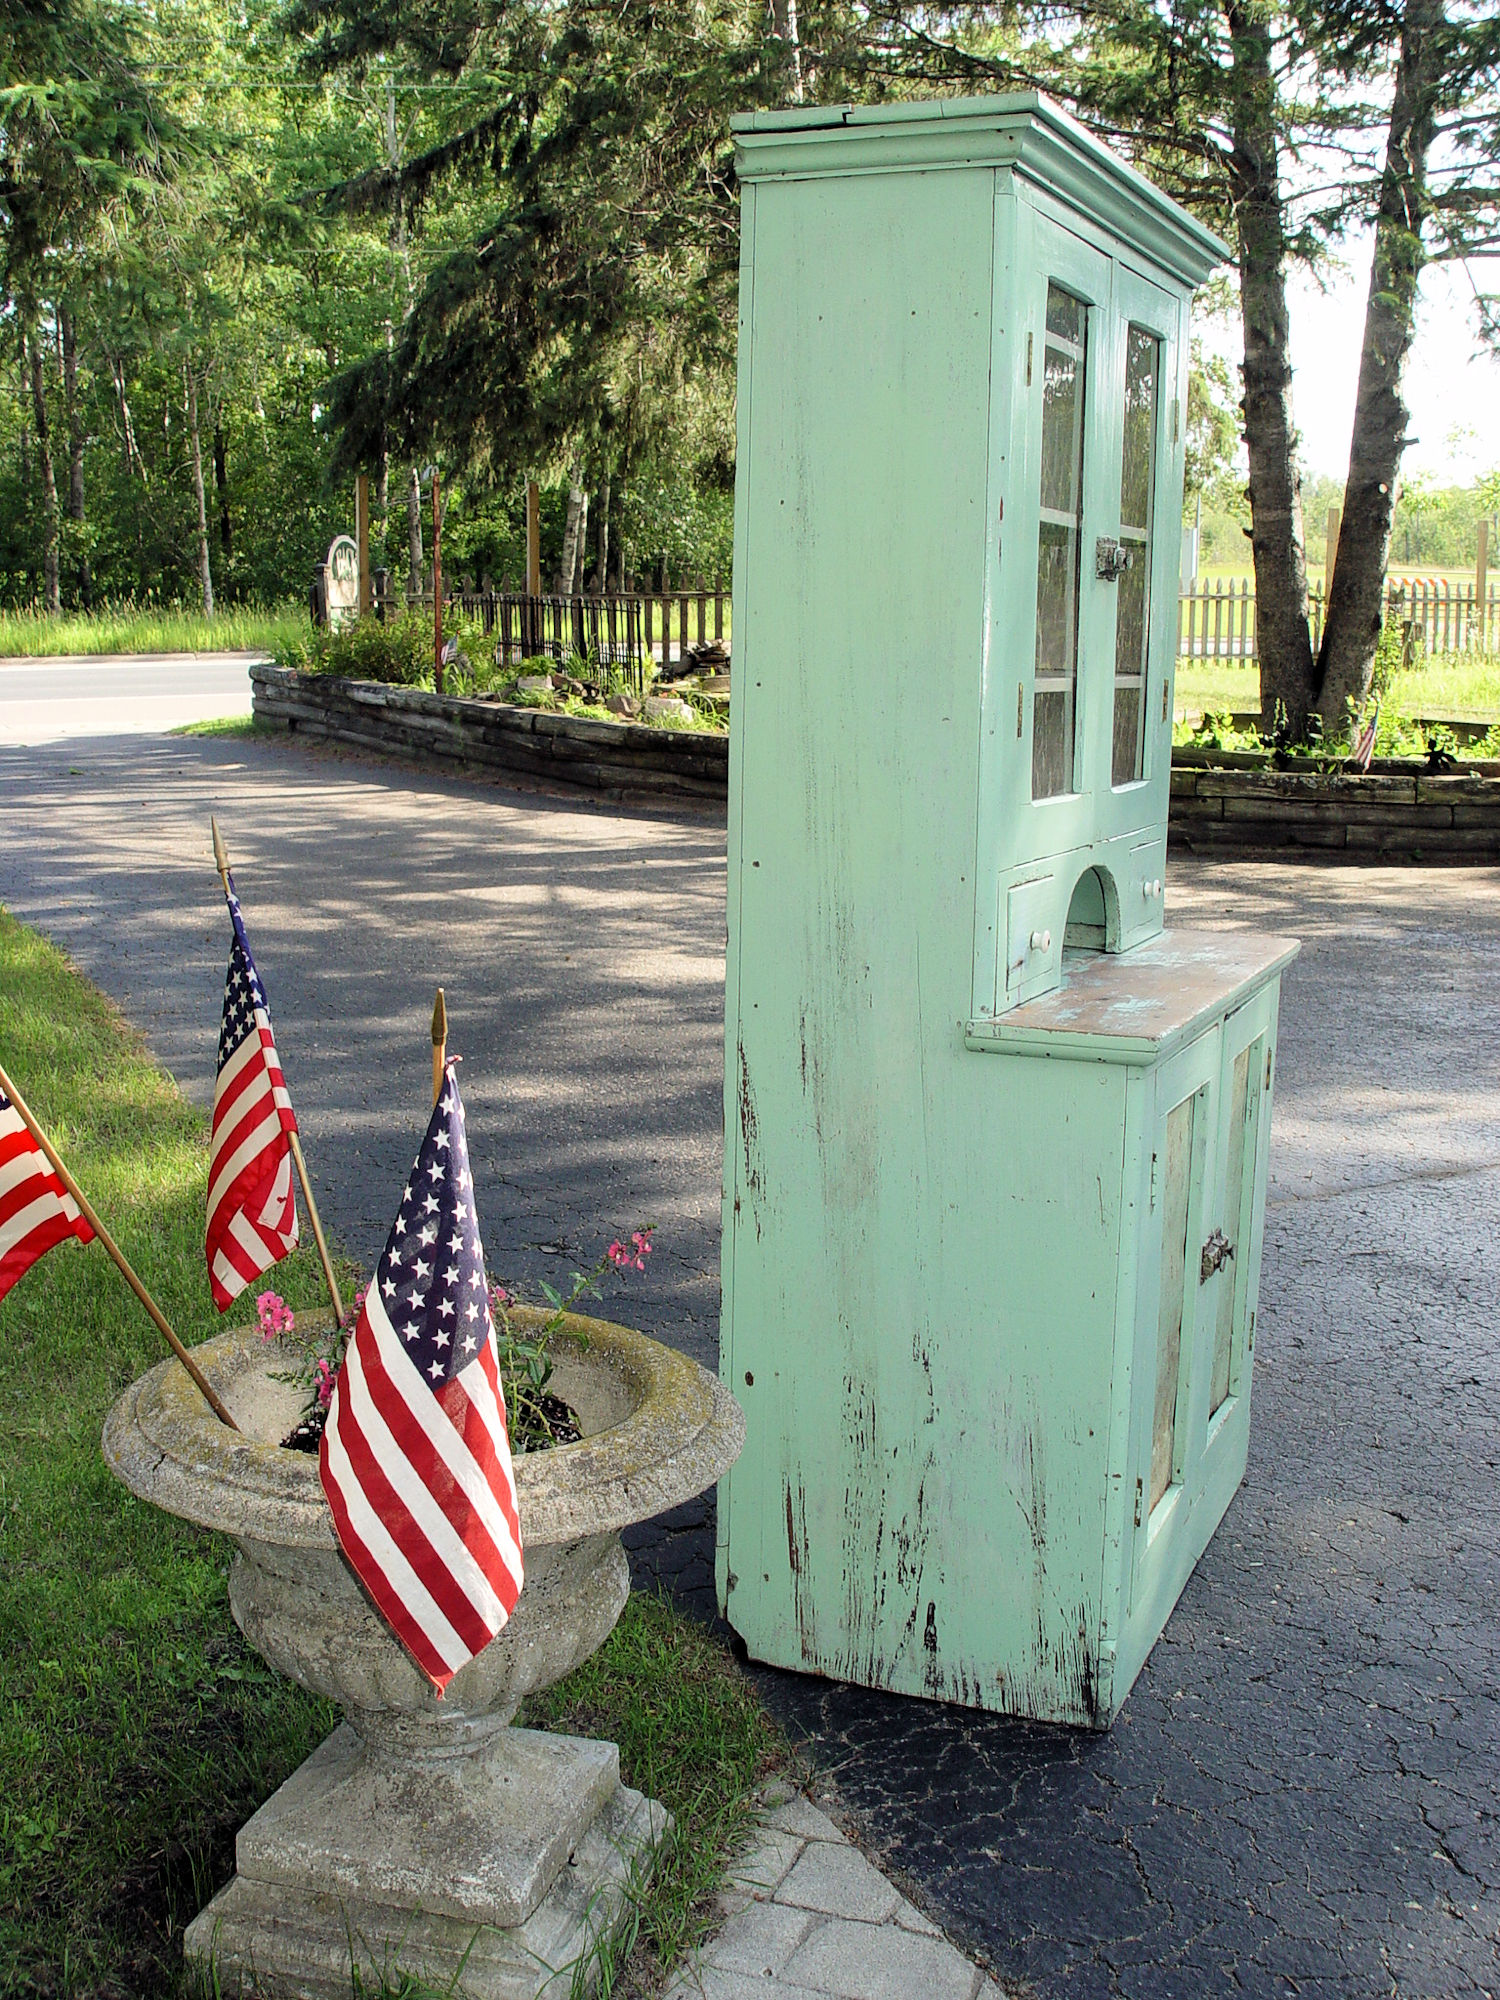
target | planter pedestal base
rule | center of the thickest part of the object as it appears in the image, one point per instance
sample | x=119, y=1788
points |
x=494, y=1867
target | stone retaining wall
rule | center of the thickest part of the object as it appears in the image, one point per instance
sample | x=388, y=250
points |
x=611, y=759
x=1389, y=816
x=1386, y=817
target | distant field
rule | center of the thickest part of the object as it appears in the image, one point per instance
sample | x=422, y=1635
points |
x=129, y=628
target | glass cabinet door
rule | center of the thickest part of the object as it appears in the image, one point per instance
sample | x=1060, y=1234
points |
x=1146, y=322
x=1065, y=390
x=1065, y=362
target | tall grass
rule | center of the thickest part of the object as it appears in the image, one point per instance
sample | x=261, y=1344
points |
x=150, y=628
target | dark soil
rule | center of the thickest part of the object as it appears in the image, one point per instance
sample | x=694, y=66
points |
x=561, y=1417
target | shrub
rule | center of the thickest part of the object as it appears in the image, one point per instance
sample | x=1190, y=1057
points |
x=398, y=652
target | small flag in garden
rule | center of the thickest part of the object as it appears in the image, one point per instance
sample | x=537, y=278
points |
x=36, y=1210
x=252, y=1210
x=1364, y=745
x=415, y=1460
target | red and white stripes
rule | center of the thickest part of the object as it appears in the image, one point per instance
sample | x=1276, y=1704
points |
x=423, y=1495
x=252, y=1208
x=36, y=1211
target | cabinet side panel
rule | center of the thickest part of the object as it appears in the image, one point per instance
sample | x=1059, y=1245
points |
x=740, y=625
x=924, y=1239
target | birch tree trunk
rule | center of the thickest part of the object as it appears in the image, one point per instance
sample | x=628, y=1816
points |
x=601, y=533
x=68, y=332
x=205, y=571
x=401, y=250
x=1380, y=414
x=221, y=488
x=133, y=460
x=32, y=348
x=413, y=535
x=574, y=528
x=784, y=27
x=1287, y=683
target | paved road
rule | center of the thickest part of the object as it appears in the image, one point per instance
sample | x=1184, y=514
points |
x=1300, y=1797
x=85, y=695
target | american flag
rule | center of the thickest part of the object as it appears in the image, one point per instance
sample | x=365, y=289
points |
x=1364, y=744
x=36, y=1210
x=414, y=1459
x=252, y=1209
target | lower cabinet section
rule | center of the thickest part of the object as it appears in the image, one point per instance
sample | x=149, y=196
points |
x=984, y=1451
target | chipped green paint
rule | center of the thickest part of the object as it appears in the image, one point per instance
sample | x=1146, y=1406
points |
x=943, y=1234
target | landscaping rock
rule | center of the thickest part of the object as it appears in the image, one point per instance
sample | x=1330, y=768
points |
x=666, y=708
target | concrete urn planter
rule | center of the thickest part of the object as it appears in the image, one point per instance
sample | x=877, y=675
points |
x=428, y=1835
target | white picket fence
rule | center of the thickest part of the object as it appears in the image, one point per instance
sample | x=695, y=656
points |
x=1216, y=621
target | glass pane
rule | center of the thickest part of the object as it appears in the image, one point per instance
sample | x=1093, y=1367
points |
x=1064, y=380
x=1137, y=496
x=1051, y=745
x=1064, y=314
x=1056, y=601
x=1142, y=354
x=1061, y=412
x=1232, y=1274
x=1127, y=732
x=1176, y=1186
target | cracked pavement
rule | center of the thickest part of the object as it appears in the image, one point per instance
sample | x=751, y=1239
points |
x=1300, y=1796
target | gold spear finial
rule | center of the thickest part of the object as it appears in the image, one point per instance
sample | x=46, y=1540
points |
x=439, y=1043
x=221, y=854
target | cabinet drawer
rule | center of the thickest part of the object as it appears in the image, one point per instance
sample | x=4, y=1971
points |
x=1033, y=938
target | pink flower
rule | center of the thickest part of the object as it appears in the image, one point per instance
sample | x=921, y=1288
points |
x=275, y=1315
x=326, y=1378
x=359, y=1299
x=499, y=1298
x=634, y=1258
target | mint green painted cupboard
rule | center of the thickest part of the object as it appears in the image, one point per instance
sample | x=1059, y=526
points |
x=995, y=1155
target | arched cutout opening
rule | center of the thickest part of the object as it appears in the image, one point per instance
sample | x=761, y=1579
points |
x=1093, y=915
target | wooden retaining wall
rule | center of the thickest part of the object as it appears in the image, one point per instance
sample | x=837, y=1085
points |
x=1410, y=816
x=1391, y=816
x=610, y=759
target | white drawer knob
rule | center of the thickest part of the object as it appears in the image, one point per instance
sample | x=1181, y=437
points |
x=1041, y=940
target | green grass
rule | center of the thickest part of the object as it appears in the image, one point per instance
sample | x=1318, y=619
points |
x=1462, y=684
x=129, y=628
x=137, y=1730
x=692, y=1735
x=225, y=725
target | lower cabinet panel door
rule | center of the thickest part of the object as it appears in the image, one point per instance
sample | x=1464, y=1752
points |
x=1231, y=1285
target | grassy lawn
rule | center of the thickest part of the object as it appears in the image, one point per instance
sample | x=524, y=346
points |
x=1461, y=684
x=125, y=628
x=137, y=1731
x=225, y=725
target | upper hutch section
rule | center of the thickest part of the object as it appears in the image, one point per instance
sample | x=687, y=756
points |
x=1008, y=302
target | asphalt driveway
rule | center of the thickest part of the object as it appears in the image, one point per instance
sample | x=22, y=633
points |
x=1300, y=1796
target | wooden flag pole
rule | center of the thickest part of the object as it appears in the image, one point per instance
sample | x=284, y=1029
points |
x=86, y=1211
x=221, y=861
x=439, y=1043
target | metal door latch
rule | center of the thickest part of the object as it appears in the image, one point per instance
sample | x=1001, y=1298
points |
x=1217, y=1252
x=1111, y=559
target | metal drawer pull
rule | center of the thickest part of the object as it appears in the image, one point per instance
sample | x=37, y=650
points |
x=1217, y=1252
